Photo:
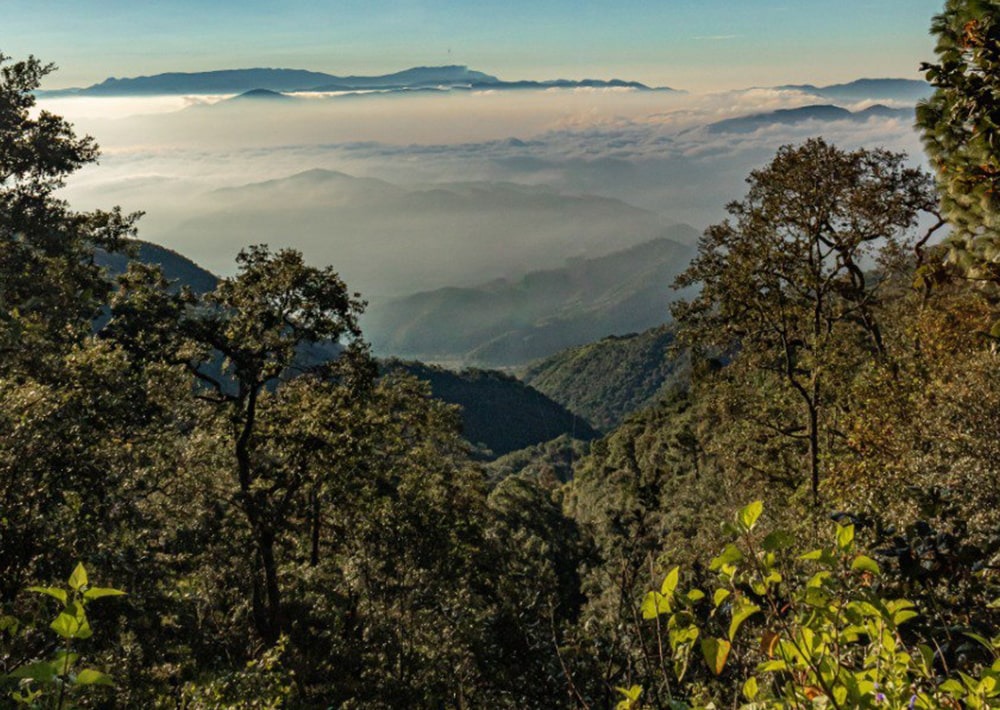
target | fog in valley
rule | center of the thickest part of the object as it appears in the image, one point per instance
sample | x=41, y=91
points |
x=404, y=193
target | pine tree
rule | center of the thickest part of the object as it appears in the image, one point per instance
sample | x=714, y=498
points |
x=961, y=130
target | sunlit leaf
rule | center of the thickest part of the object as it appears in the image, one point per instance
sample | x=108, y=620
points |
x=715, y=651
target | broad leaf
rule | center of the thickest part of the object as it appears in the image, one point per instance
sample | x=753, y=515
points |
x=98, y=592
x=748, y=516
x=715, y=651
x=78, y=580
x=743, y=611
x=53, y=592
x=670, y=582
x=42, y=671
x=89, y=676
x=865, y=564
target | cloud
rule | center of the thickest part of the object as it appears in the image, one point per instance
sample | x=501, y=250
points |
x=646, y=150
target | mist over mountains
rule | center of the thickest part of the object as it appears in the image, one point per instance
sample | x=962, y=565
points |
x=486, y=228
x=389, y=240
x=512, y=322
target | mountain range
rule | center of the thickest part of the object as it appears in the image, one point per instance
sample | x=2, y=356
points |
x=388, y=240
x=509, y=322
x=790, y=116
x=902, y=90
x=239, y=81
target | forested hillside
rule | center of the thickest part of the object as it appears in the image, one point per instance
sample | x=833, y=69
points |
x=606, y=381
x=499, y=413
x=193, y=517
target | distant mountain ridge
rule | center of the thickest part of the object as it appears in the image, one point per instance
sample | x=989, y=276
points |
x=789, y=116
x=903, y=90
x=241, y=81
x=500, y=414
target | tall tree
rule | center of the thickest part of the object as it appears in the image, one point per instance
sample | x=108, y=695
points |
x=788, y=280
x=961, y=130
x=50, y=286
x=276, y=319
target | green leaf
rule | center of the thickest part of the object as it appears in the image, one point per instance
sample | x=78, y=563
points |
x=865, y=564
x=743, y=611
x=750, y=689
x=748, y=516
x=981, y=640
x=728, y=556
x=98, y=592
x=42, y=672
x=71, y=626
x=773, y=666
x=64, y=660
x=9, y=624
x=695, y=595
x=845, y=537
x=654, y=604
x=904, y=615
x=715, y=651
x=78, y=580
x=670, y=582
x=952, y=687
x=89, y=676
x=53, y=592
x=631, y=697
x=720, y=596
x=778, y=540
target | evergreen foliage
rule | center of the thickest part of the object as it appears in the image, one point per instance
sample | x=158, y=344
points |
x=961, y=130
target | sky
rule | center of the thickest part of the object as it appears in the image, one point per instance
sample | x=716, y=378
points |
x=697, y=45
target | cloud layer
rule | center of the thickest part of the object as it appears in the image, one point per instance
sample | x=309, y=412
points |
x=169, y=157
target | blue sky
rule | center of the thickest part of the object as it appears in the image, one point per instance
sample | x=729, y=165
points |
x=691, y=44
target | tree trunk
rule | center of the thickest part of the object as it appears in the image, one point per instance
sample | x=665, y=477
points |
x=814, y=446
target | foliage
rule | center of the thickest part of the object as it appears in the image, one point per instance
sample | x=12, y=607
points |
x=612, y=378
x=55, y=682
x=820, y=631
x=785, y=280
x=500, y=414
x=961, y=130
x=262, y=685
x=50, y=285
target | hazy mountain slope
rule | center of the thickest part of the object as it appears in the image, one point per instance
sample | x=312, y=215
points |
x=510, y=322
x=500, y=413
x=748, y=124
x=176, y=267
x=388, y=240
x=607, y=380
x=902, y=90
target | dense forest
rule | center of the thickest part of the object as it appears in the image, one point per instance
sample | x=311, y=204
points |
x=214, y=496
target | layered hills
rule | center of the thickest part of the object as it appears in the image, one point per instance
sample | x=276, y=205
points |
x=499, y=413
x=606, y=380
x=508, y=322
x=388, y=241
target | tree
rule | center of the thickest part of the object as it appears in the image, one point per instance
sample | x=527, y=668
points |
x=50, y=287
x=961, y=130
x=278, y=318
x=788, y=283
